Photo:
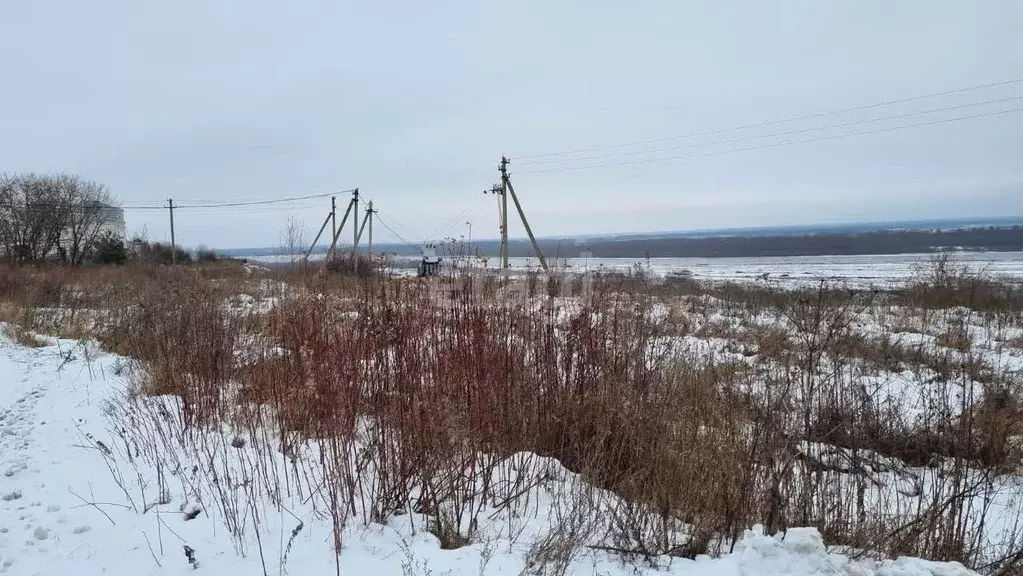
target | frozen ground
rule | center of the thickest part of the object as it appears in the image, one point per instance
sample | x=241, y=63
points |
x=877, y=270
x=63, y=512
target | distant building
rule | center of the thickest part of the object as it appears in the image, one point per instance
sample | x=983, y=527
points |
x=113, y=221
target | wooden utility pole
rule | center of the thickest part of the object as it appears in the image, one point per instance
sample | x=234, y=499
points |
x=174, y=246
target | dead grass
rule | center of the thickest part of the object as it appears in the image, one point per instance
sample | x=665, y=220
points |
x=24, y=337
x=956, y=338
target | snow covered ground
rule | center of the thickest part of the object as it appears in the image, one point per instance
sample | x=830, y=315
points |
x=77, y=497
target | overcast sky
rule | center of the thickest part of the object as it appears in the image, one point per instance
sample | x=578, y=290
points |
x=415, y=102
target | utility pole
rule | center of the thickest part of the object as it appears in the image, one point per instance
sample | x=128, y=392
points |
x=174, y=246
x=500, y=217
x=355, y=224
x=333, y=216
x=504, y=189
x=340, y=228
x=504, y=211
x=370, y=212
x=497, y=189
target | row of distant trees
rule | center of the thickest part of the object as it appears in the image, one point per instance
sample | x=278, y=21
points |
x=992, y=238
x=112, y=249
x=55, y=217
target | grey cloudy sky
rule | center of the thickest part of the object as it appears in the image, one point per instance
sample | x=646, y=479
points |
x=415, y=102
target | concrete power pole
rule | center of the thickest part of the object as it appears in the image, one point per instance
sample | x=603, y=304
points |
x=174, y=246
x=498, y=190
x=355, y=224
x=504, y=211
x=333, y=241
x=370, y=212
x=367, y=220
x=507, y=188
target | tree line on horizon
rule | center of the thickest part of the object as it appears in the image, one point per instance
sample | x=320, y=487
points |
x=992, y=238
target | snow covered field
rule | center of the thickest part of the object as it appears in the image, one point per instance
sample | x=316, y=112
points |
x=878, y=270
x=872, y=270
x=78, y=499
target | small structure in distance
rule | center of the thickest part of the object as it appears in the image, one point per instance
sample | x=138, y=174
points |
x=430, y=264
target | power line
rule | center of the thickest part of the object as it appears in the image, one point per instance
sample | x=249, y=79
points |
x=377, y=217
x=238, y=204
x=471, y=208
x=70, y=206
x=775, y=134
x=409, y=231
x=254, y=210
x=779, y=121
x=776, y=144
x=260, y=202
x=391, y=230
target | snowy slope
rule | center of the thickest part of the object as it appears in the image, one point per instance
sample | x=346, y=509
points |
x=62, y=512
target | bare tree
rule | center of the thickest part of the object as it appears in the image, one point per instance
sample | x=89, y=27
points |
x=32, y=216
x=293, y=239
x=88, y=209
x=8, y=222
x=43, y=215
